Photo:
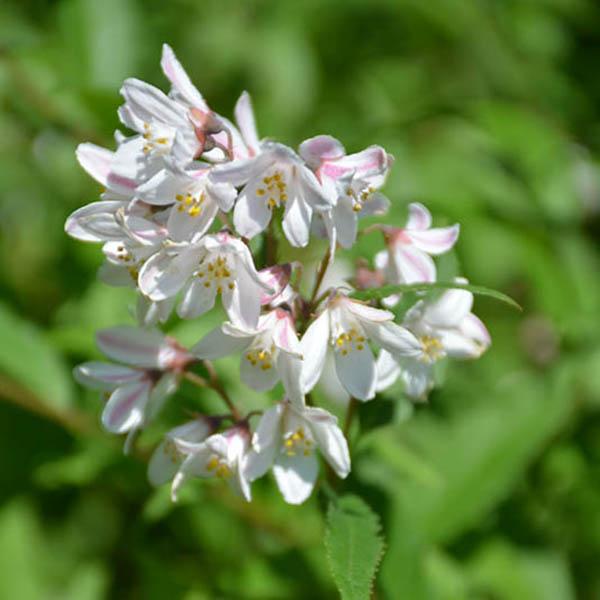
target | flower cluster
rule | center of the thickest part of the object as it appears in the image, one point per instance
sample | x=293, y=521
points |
x=185, y=199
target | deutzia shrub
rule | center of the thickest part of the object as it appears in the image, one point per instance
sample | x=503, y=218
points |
x=186, y=198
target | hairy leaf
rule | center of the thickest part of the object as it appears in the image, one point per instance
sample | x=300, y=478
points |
x=354, y=546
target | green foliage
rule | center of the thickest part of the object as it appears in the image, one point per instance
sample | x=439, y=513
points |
x=354, y=546
x=411, y=288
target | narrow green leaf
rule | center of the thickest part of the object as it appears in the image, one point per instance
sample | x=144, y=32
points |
x=388, y=290
x=354, y=546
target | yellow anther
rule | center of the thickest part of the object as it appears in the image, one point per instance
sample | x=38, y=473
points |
x=207, y=284
x=261, y=192
x=231, y=286
x=179, y=197
x=162, y=140
x=194, y=211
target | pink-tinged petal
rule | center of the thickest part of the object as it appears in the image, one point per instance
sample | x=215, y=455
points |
x=393, y=338
x=330, y=439
x=251, y=214
x=197, y=300
x=434, y=241
x=356, y=372
x=276, y=278
x=96, y=161
x=179, y=79
x=472, y=327
x=162, y=188
x=314, y=345
x=449, y=309
x=96, y=222
x=419, y=218
x=132, y=346
x=124, y=410
x=311, y=191
x=372, y=160
x=376, y=205
x=413, y=265
x=365, y=313
x=144, y=231
x=320, y=148
x=296, y=476
x=105, y=376
x=296, y=222
x=244, y=116
x=239, y=172
x=217, y=344
x=284, y=333
x=388, y=371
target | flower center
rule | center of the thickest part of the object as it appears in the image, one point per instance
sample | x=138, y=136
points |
x=359, y=197
x=432, y=349
x=274, y=189
x=297, y=442
x=190, y=204
x=348, y=341
x=218, y=467
x=261, y=357
x=152, y=142
x=216, y=272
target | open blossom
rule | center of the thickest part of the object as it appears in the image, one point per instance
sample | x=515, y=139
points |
x=277, y=177
x=350, y=181
x=444, y=327
x=221, y=455
x=409, y=249
x=286, y=440
x=216, y=265
x=270, y=352
x=178, y=444
x=138, y=390
x=194, y=200
x=346, y=326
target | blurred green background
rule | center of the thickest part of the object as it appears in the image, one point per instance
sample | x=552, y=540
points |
x=492, y=110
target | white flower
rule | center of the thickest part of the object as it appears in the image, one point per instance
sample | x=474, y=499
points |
x=194, y=200
x=276, y=177
x=270, y=352
x=346, y=326
x=138, y=390
x=221, y=455
x=350, y=181
x=179, y=443
x=407, y=258
x=218, y=264
x=277, y=278
x=444, y=327
x=287, y=438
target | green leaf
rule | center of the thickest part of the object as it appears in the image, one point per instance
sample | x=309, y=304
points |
x=388, y=290
x=354, y=546
x=27, y=357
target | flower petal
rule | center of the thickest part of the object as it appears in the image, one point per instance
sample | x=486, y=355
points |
x=320, y=148
x=176, y=74
x=133, y=346
x=449, y=309
x=259, y=376
x=197, y=300
x=163, y=275
x=96, y=222
x=296, y=222
x=289, y=368
x=251, y=214
x=356, y=372
x=105, y=376
x=417, y=378
x=388, y=370
x=419, y=218
x=331, y=440
x=244, y=117
x=413, y=265
x=314, y=345
x=434, y=241
x=394, y=338
x=472, y=327
x=296, y=476
x=216, y=344
x=125, y=407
